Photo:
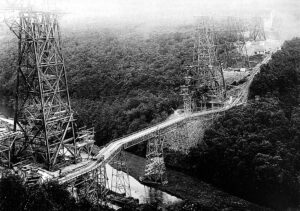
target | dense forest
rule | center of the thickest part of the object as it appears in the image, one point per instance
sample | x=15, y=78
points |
x=14, y=195
x=253, y=151
x=123, y=83
x=119, y=81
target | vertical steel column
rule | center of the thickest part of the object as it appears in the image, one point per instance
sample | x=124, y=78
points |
x=91, y=186
x=120, y=179
x=187, y=93
x=155, y=169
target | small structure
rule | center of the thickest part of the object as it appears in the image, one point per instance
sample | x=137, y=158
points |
x=260, y=51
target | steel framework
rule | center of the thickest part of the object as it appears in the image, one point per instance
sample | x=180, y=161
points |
x=43, y=111
x=217, y=42
x=187, y=93
x=236, y=45
x=9, y=146
x=155, y=169
x=206, y=72
x=120, y=179
x=91, y=186
x=257, y=31
x=85, y=143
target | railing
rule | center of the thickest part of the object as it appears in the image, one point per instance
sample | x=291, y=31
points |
x=184, y=116
x=136, y=132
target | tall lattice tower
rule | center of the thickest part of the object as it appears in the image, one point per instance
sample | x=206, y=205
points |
x=257, y=31
x=186, y=92
x=43, y=111
x=205, y=76
x=236, y=42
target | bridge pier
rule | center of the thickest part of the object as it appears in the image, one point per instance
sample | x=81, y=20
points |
x=120, y=179
x=155, y=169
x=91, y=186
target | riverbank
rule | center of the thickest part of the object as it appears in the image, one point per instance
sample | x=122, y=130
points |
x=191, y=189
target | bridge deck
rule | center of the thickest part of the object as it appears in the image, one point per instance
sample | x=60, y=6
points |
x=108, y=152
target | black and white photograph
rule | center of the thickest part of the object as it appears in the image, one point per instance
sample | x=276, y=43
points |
x=149, y=105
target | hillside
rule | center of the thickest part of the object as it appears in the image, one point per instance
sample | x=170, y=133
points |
x=118, y=82
x=253, y=151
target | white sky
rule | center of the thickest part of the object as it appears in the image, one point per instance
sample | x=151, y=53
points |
x=152, y=8
x=143, y=10
x=157, y=8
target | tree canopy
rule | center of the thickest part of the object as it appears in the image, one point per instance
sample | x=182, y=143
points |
x=253, y=150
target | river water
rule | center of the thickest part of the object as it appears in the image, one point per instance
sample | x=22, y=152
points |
x=143, y=193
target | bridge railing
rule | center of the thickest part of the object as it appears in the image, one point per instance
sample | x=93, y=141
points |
x=136, y=132
x=185, y=116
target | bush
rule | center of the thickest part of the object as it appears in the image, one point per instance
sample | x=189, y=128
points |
x=48, y=196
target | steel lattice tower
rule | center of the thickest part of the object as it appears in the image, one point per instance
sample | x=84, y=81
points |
x=257, y=29
x=120, y=179
x=187, y=93
x=155, y=169
x=205, y=72
x=236, y=29
x=43, y=110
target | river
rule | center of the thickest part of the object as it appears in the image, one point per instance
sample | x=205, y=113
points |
x=143, y=193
